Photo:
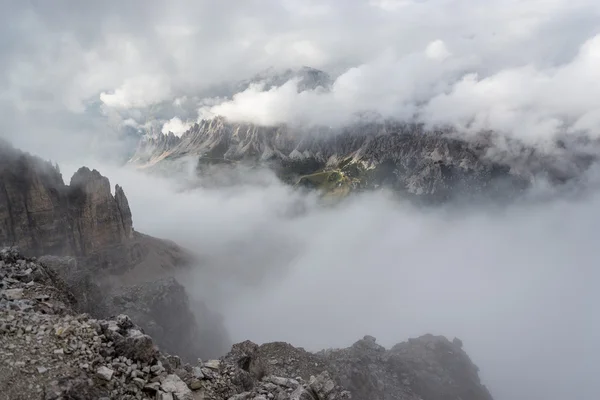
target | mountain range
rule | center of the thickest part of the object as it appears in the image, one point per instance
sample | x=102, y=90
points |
x=410, y=159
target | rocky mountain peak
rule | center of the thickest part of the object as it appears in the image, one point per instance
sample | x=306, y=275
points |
x=431, y=165
x=42, y=215
x=123, y=206
x=401, y=156
x=84, y=176
x=307, y=78
x=85, y=235
x=102, y=219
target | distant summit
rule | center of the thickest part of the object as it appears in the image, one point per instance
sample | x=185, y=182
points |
x=308, y=79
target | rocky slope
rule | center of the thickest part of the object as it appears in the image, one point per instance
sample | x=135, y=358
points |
x=85, y=235
x=430, y=165
x=50, y=352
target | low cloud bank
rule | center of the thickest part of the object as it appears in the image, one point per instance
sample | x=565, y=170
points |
x=517, y=284
x=530, y=102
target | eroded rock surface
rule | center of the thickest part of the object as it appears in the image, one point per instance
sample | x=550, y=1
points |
x=85, y=235
x=42, y=215
x=419, y=163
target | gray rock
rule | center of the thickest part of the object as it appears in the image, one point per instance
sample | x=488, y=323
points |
x=152, y=387
x=13, y=294
x=302, y=394
x=136, y=346
x=285, y=382
x=241, y=396
x=104, y=373
x=124, y=322
x=322, y=385
x=212, y=364
x=139, y=382
x=173, y=384
x=197, y=373
x=195, y=384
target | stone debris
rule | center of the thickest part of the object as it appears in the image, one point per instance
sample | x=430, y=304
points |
x=68, y=355
x=49, y=352
x=105, y=373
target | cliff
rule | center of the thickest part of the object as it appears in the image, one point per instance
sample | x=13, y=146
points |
x=42, y=215
x=84, y=234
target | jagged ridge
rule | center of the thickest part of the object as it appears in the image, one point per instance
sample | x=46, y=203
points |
x=367, y=155
x=52, y=353
x=42, y=215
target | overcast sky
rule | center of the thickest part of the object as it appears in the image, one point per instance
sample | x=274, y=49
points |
x=528, y=68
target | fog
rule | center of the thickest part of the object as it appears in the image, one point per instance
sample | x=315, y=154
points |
x=529, y=102
x=526, y=68
x=81, y=81
x=518, y=284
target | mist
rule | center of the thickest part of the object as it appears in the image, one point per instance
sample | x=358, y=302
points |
x=80, y=82
x=525, y=68
x=517, y=283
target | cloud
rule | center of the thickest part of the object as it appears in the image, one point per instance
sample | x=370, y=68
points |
x=138, y=92
x=392, y=85
x=145, y=53
x=176, y=125
x=437, y=50
x=511, y=282
x=528, y=102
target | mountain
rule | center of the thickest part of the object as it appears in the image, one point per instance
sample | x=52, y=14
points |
x=52, y=352
x=41, y=215
x=85, y=234
x=431, y=165
x=308, y=79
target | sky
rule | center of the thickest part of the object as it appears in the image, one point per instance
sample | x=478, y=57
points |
x=79, y=79
x=523, y=67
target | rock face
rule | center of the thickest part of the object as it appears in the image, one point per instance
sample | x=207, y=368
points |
x=428, y=367
x=415, y=162
x=430, y=165
x=42, y=215
x=50, y=352
x=85, y=236
x=167, y=314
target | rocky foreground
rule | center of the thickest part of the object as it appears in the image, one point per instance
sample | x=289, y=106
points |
x=49, y=352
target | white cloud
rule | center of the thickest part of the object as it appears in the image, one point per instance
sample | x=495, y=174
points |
x=138, y=92
x=392, y=85
x=177, y=126
x=437, y=50
x=527, y=102
x=391, y=5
